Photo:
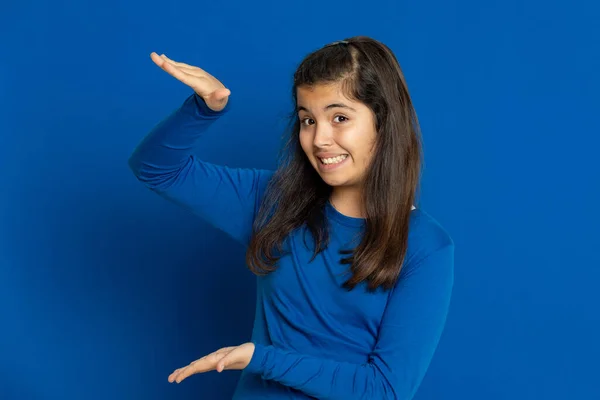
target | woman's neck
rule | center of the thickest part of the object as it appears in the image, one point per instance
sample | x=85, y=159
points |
x=348, y=202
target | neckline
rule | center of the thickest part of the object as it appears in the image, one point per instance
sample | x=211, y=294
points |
x=354, y=222
x=337, y=216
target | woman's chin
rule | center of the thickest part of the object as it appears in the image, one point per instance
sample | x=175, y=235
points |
x=334, y=182
x=333, y=177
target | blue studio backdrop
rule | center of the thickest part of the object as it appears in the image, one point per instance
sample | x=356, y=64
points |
x=105, y=288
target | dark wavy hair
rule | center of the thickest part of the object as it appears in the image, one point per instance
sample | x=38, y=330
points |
x=296, y=196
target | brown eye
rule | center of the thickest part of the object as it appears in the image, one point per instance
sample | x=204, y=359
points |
x=304, y=120
x=342, y=117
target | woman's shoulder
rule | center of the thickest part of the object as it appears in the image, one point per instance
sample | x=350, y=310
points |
x=426, y=236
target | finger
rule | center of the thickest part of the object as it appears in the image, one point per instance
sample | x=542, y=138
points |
x=177, y=73
x=204, y=364
x=190, y=69
x=179, y=64
x=225, y=350
x=220, y=94
x=218, y=98
x=174, y=374
x=158, y=60
x=218, y=355
x=198, y=367
x=226, y=363
x=190, y=370
x=169, y=67
x=230, y=359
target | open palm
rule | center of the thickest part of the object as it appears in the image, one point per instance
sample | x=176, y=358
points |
x=236, y=357
x=214, y=93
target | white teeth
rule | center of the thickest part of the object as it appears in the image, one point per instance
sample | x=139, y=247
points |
x=334, y=160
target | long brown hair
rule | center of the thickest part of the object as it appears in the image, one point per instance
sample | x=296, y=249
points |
x=296, y=195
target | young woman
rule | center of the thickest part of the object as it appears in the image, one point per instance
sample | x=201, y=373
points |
x=354, y=282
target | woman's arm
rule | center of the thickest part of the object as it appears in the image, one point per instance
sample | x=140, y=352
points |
x=228, y=198
x=408, y=336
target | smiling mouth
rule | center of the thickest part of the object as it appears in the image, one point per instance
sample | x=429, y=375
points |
x=333, y=160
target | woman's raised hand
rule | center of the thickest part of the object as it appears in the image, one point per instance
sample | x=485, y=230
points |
x=214, y=93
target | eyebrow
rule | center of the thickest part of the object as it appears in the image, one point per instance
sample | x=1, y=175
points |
x=328, y=107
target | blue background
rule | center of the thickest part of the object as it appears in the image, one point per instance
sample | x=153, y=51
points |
x=105, y=288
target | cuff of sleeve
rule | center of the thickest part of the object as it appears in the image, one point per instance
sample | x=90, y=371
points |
x=257, y=362
x=206, y=111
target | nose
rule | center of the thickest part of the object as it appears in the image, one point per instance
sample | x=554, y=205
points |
x=323, y=136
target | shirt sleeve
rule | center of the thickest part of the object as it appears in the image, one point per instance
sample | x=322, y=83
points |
x=409, y=334
x=228, y=198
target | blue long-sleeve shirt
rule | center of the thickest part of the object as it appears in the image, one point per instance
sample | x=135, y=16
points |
x=313, y=338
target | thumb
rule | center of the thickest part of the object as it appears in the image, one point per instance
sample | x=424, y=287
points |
x=217, y=100
x=229, y=360
x=219, y=95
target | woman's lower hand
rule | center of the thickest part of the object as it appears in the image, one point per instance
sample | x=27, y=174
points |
x=236, y=357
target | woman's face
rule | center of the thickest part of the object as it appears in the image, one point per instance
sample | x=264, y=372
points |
x=337, y=134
